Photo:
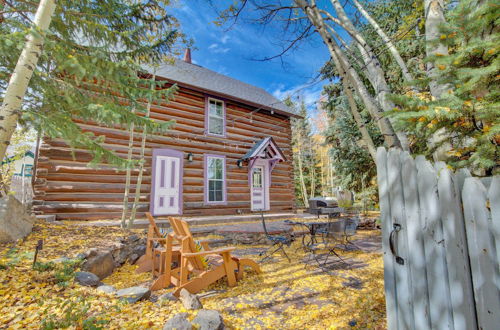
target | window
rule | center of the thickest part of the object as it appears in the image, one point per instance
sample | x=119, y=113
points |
x=257, y=177
x=215, y=185
x=215, y=120
x=28, y=170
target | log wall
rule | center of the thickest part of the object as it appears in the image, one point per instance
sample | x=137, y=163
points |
x=65, y=186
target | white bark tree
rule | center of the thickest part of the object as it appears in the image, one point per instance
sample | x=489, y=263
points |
x=142, y=161
x=374, y=71
x=434, y=17
x=388, y=42
x=128, y=175
x=325, y=31
x=19, y=81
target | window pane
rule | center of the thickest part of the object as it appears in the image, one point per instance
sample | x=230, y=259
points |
x=211, y=185
x=218, y=169
x=218, y=185
x=218, y=109
x=215, y=125
x=218, y=196
x=211, y=168
x=212, y=108
x=211, y=196
x=257, y=177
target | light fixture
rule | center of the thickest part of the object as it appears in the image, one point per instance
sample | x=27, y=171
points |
x=239, y=162
x=190, y=157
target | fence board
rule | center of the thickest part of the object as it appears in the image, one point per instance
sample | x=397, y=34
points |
x=450, y=242
x=385, y=215
x=437, y=274
x=494, y=197
x=482, y=254
x=461, y=175
x=403, y=279
x=459, y=277
x=416, y=257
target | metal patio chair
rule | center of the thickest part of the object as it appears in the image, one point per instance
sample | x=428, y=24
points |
x=350, y=229
x=333, y=236
x=278, y=243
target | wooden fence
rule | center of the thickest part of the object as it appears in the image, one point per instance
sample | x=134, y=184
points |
x=22, y=189
x=441, y=242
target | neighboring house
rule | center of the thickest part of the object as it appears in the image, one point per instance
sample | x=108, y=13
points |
x=228, y=153
x=22, y=166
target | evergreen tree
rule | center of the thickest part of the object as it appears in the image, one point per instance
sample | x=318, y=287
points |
x=88, y=67
x=469, y=110
x=307, y=181
x=352, y=162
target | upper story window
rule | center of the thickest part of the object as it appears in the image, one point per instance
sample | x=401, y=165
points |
x=215, y=179
x=216, y=117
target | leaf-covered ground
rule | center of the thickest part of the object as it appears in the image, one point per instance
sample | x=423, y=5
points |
x=296, y=295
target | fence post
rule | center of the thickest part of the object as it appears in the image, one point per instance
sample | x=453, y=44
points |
x=416, y=254
x=385, y=217
x=437, y=273
x=457, y=258
x=482, y=254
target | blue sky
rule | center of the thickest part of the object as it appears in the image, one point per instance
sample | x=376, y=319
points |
x=232, y=53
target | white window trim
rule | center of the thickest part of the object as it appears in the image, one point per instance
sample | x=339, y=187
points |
x=223, y=117
x=224, y=180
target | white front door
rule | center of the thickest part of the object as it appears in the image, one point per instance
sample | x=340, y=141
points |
x=259, y=191
x=167, y=183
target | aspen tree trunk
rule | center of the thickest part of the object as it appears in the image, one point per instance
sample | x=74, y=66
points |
x=383, y=123
x=367, y=139
x=388, y=42
x=301, y=177
x=128, y=175
x=375, y=74
x=434, y=17
x=312, y=172
x=354, y=108
x=18, y=83
x=141, y=160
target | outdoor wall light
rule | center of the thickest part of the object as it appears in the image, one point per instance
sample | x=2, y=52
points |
x=190, y=157
x=239, y=162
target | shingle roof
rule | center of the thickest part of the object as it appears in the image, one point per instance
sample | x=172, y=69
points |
x=200, y=77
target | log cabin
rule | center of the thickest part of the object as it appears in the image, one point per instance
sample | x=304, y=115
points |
x=228, y=153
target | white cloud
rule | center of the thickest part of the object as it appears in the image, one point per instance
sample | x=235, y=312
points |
x=224, y=39
x=217, y=49
x=308, y=93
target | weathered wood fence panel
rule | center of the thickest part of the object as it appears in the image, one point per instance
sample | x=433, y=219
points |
x=441, y=241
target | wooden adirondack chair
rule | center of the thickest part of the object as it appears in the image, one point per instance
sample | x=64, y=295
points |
x=151, y=260
x=195, y=273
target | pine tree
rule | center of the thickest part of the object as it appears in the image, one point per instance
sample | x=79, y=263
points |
x=88, y=67
x=469, y=110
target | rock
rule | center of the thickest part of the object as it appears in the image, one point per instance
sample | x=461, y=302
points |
x=133, y=294
x=81, y=256
x=87, y=279
x=62, y=260
x=99, y=262
x=106, y=289
x=189, y=300
x=15, y=221
x=178, y=322
x=209, y=320
x=137, y=252
x=168, y=297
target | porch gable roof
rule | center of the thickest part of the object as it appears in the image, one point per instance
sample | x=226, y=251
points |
x=259, y=147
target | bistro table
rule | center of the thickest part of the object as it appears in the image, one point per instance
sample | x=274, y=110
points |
x=314, y=227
